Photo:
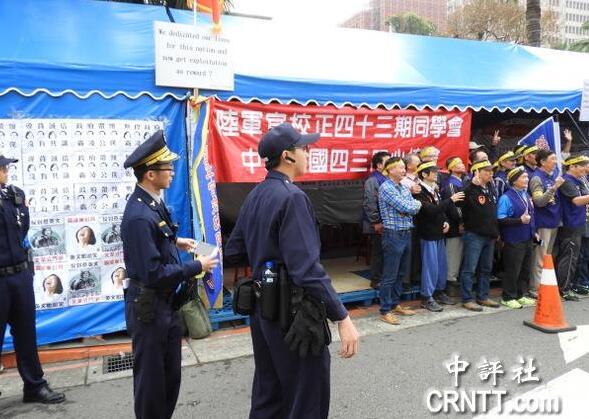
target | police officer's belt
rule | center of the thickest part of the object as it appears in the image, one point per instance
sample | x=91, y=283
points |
x=11, y=270
x=161, y=293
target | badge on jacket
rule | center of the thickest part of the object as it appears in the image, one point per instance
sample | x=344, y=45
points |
x=482, y=199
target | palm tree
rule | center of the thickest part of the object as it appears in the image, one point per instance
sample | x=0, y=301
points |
x=533, y=28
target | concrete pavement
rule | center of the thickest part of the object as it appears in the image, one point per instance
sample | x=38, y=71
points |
x=395, y=367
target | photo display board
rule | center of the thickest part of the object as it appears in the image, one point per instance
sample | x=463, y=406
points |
x=71, y=171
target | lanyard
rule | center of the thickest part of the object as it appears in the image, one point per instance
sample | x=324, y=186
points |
x=525, y=201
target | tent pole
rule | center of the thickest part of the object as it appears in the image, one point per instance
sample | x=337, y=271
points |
x=578, y=128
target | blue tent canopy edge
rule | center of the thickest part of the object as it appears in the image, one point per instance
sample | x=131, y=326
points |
x=106, y=48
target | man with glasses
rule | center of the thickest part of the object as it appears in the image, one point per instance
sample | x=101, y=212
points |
x=150, y=248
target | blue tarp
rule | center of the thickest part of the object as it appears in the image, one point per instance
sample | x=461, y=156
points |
x=89, y=46
x=91, y=59
x=61, y=324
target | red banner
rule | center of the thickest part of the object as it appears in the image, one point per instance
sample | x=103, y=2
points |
x=349, y=137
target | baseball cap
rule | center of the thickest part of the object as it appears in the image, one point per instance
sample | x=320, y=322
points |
x=5, y=161
x=282, y=137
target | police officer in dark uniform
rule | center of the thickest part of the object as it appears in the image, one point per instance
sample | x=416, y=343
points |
x=277, y=223
x=17, y=299
x=150, y=248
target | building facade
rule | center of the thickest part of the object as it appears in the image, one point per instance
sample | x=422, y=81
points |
x=571, y=15
x=376, y=14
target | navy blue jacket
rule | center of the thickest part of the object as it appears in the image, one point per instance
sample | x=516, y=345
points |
x=550, y=214
x=519, y=232
x=277, y=223
x=453, y=213
x=149, y=246
x=14, y=226
x=573, y=216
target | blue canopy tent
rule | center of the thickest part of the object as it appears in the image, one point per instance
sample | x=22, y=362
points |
x=274, y=61
x=88, y=60
x=94, y=59
x=107, y=48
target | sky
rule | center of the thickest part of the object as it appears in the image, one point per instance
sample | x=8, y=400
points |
x=324, y=12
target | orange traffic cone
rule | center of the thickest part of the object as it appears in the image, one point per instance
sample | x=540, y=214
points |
x=549, y=317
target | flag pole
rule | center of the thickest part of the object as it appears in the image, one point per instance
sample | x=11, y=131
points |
x=194, y=2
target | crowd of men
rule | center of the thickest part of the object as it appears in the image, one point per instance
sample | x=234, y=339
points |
x=455, y=224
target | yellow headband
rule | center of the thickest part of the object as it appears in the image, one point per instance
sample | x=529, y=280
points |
x=506, y=156
x=426, y=165
x=427, y=150
x=519, y=149
x=481, y=165
x=576, y=160
x=514, y=171
x=385, y=171
x=531, y=149
x=454, y=162
x=163, y=155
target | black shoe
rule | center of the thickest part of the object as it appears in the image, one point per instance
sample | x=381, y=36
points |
x=443, y=299
x=431, y=305
x=581, y=290
x=44, y=395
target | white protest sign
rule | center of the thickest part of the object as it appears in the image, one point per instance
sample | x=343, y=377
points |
x=585, y=102
x=190, y=56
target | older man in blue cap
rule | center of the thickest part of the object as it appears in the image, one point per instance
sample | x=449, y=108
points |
x=277, y=224
x=17, y=299
x=150, y=247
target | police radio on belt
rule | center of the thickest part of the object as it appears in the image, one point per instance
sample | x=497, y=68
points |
x=269, y=291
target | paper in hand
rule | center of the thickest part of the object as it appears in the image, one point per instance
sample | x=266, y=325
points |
x=205, y=249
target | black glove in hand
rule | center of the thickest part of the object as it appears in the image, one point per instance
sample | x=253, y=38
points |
x=307, y=331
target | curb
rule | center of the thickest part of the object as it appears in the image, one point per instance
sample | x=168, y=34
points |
x=225, y=345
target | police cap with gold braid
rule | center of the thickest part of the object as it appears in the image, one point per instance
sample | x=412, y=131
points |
x=151, y=152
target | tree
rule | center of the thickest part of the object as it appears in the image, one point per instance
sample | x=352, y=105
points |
x=583, y=45
x=488, y=20
x=410, y=23
x=498, y=20
x=533, y=27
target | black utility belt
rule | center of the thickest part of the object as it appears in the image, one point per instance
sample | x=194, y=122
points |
x=273, y=294
x=301, y=317
x=146, y=302
x=155, y=291
x=14, y=269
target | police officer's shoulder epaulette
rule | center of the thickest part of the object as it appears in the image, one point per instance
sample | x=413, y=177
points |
x=149, y=203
